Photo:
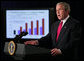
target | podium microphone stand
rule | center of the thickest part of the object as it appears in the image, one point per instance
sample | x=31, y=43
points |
x=19, y=51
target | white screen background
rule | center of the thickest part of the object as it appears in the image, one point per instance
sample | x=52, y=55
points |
x=17, y=18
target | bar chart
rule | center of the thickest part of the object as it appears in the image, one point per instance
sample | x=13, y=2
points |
x=35, y=22
x=30, y=30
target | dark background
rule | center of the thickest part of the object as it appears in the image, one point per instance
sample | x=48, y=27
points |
x=76, y=12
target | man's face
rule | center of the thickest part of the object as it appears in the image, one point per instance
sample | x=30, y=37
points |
x=61, y=13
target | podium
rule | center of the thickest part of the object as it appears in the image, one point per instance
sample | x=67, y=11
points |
x=23, y=51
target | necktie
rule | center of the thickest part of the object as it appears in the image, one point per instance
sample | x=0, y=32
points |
x=59, y=29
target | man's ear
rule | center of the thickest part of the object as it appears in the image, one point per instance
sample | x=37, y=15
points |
x=67, y=11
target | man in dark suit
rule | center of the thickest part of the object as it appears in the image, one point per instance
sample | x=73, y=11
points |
x=64, y=36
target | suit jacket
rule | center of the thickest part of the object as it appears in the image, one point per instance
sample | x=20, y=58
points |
x=68, y=39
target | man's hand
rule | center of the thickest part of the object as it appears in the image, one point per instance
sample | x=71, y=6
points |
x=55, y=52
x=32, y=42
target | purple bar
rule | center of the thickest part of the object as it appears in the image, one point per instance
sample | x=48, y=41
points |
x=40, y=30
x=35, y=31
x=18, y=32
x=30, y=31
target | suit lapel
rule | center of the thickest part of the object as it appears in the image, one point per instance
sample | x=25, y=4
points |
x=54, y=31
x=64, y=28
x=56, y=27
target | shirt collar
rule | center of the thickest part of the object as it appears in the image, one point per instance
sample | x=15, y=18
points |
x=65, y=20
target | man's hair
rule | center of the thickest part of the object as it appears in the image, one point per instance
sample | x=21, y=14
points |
x=66, y=5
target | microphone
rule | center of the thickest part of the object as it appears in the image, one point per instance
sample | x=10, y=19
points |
x=18, y=37
x=23, y=34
